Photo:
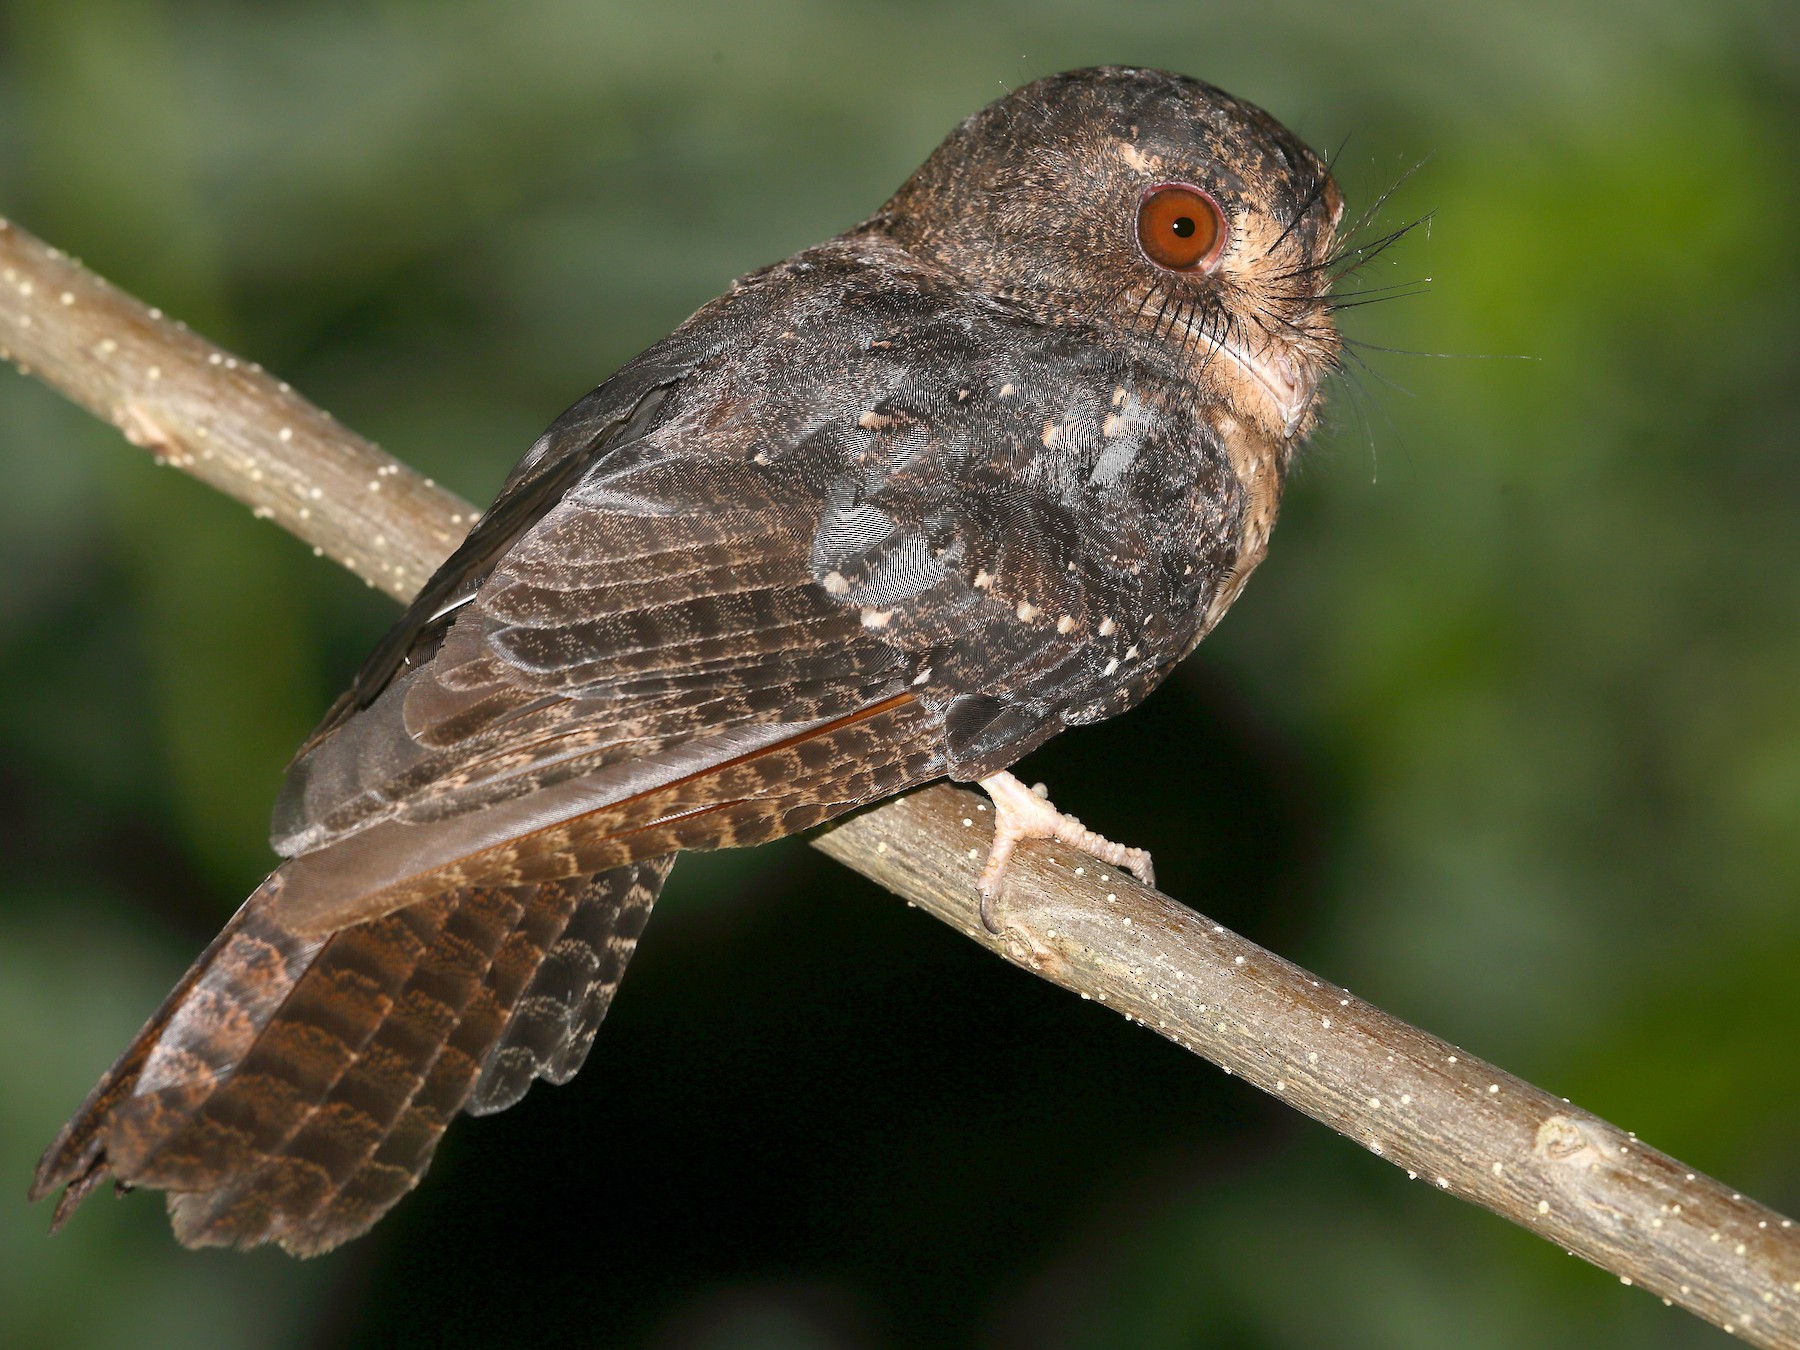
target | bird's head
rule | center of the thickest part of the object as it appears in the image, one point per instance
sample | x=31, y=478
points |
x=1156, y=206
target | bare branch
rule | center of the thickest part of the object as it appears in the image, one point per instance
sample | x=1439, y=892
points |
x=224, y=420
x=1445, y=1117
x=1424, y=1105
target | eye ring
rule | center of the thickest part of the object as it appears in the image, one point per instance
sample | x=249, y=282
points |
x=1180, y=228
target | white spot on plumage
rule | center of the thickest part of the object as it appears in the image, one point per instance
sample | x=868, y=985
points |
x=1136, y=158
x=1026, y=611
x=876, y=618
x=834, y=583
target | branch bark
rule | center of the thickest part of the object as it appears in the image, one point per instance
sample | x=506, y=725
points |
x=1443, y=1116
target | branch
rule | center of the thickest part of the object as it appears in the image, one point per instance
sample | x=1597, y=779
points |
x=1464, y=1125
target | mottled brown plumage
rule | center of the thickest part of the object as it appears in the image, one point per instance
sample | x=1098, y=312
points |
x=905, y=505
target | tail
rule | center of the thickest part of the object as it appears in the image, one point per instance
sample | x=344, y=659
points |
x=292, y=1089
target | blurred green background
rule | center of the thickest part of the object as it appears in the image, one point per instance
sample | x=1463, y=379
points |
x=1505, y=736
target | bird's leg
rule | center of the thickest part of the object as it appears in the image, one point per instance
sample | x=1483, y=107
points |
x=1026, y=813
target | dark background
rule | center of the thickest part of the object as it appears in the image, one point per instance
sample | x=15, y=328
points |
x=1505, y=735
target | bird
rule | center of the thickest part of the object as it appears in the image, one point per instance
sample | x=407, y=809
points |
x=901, y=507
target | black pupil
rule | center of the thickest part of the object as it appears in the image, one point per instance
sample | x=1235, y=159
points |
x=1183, y=226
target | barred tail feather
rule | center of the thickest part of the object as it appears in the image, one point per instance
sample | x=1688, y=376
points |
x=553, y=1025
x=292, y=1089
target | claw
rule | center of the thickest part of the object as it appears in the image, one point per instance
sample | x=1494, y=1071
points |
x=1026, y=813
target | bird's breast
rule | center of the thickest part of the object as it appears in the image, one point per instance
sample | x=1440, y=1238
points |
x=1256, y=464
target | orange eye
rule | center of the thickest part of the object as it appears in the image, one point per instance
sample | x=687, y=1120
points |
x=1180, y=228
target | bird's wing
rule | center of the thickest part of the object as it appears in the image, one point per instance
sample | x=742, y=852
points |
x=654, y=649
x=616, y=413
x=807, y=585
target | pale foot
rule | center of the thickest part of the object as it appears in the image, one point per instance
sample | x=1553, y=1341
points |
x=1026, y=813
